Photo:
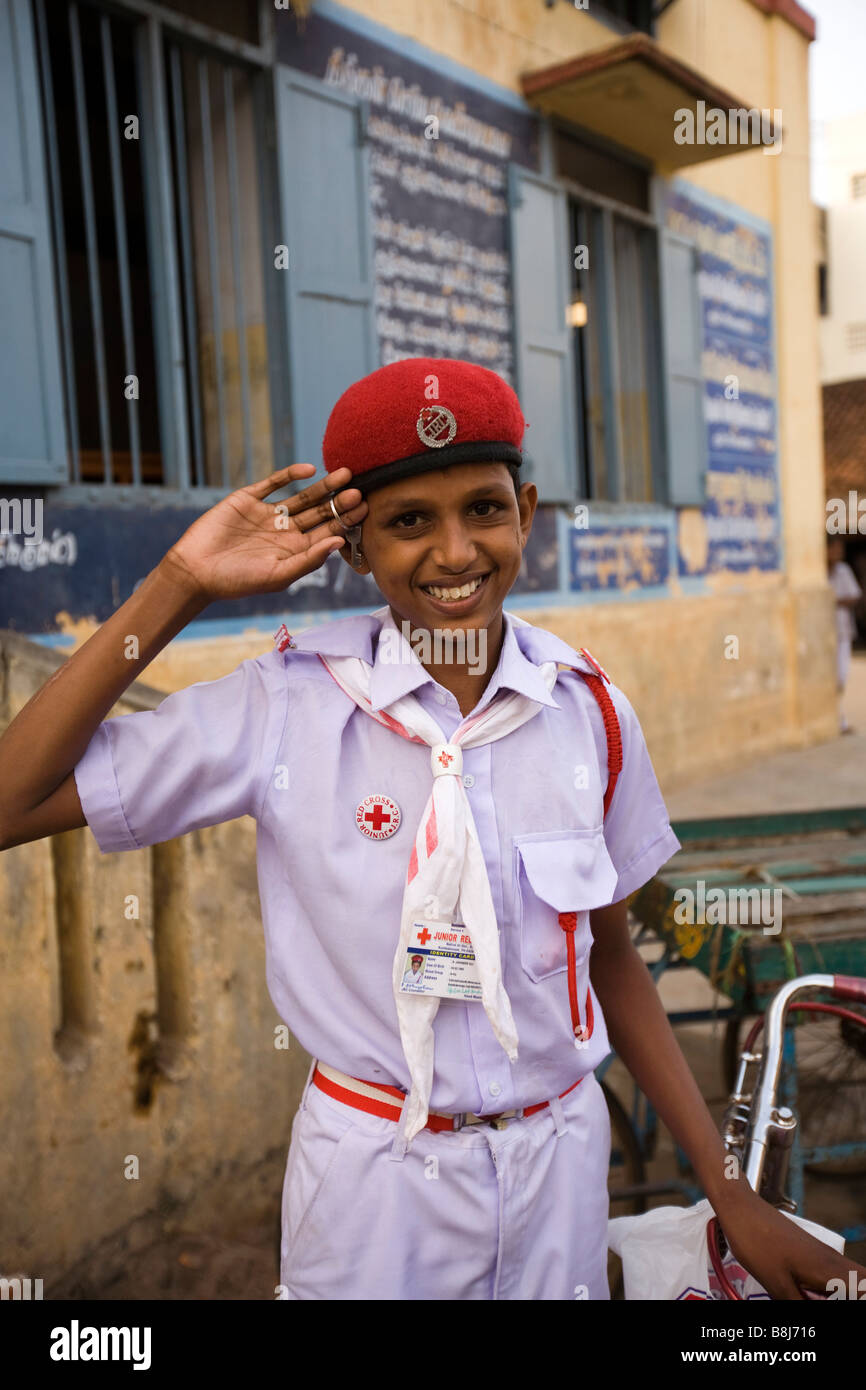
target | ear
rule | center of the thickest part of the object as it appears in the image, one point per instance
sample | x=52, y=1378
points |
x=346, y=552
x=527, y=502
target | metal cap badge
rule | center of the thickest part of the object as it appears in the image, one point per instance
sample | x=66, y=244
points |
x=436, y=426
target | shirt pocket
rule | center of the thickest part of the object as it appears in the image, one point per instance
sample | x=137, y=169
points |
x=565, y=871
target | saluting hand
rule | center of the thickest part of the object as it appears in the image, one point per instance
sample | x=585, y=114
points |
x=245, y=545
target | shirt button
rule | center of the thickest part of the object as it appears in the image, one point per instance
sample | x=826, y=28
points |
x=468, y=780
x=494, y=1088
x=439, y=696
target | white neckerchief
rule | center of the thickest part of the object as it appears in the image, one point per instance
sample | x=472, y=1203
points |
x=446, y=864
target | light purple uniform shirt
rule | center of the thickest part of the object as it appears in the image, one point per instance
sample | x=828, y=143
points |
x=278, y=740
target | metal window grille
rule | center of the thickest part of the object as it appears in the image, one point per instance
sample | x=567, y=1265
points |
x=95, y=178
x=614, y=317
x=214, y=156
x=166, y=370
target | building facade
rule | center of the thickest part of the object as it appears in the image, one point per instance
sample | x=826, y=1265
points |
x=843, y=340
x=217, y=216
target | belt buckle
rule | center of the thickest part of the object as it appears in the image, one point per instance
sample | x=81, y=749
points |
x=466, y=1120
x=495, y=1121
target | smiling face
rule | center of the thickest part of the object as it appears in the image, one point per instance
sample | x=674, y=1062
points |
x=445, y=547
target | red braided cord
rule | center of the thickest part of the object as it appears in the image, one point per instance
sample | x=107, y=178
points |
x=612, y=730
x=568, y=922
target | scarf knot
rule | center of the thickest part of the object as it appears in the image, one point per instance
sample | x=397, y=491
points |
x=446, y=760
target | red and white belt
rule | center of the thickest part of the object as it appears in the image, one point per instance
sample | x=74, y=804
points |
x=370, y=1097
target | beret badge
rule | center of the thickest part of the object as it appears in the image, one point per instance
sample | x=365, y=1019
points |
x=436, y=426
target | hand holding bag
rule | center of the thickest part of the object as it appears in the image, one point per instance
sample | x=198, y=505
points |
x=665, y=1255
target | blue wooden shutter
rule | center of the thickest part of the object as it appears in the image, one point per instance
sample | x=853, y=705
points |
x=325, y=201
x=682, y=332
x=541, y=261
x=32, y=433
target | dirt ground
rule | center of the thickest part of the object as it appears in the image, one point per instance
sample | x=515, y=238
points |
x=243, y=1263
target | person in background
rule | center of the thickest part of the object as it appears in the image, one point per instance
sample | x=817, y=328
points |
x=848, y=593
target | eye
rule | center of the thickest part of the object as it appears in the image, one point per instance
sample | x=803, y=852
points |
x=495, y=506
x=406, y=520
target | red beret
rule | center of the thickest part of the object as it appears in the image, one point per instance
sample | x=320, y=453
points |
x=422, y=413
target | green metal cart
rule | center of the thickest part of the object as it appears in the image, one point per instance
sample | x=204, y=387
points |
x=753, y=901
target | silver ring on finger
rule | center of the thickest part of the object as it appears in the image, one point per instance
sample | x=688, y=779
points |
x=337, y=516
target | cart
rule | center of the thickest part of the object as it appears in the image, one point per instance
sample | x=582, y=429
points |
x=753, y=902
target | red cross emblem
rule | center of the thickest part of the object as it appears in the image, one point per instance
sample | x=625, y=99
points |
x=378, y=817
x=424, y=936
x=446, y=759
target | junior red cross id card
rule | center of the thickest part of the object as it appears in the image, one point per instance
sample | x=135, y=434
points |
x=441, y=961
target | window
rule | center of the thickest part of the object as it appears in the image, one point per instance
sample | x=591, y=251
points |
x=614, y=317
x=222, y=272
x=594, y=167
x=590, y=368
x=103, y=270
x=633, y=14
x=238, y=18
x=159, y=245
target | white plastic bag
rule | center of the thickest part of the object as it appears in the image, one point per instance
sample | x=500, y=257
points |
x=664, y=1254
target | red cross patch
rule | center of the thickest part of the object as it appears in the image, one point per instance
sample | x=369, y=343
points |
x=378, y=816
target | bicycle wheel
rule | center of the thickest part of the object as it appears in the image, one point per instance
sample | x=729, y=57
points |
x=831, y=1090
x=831, y=1085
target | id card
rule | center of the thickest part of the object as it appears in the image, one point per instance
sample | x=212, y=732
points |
x=441, y=961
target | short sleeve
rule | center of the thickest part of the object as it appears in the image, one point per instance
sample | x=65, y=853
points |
x=637, y=827
x=203, y=756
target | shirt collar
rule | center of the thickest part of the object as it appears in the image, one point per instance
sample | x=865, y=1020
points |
x=397, y=671
x=347, y=637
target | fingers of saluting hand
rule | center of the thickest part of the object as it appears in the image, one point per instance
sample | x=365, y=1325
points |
x=311, y=507
x=328, y=528
x=349, y=506
x=294, y=473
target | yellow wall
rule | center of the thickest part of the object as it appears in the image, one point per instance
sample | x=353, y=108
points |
x=132, y=1030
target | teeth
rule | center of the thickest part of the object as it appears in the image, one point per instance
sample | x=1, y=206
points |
x=453, y=594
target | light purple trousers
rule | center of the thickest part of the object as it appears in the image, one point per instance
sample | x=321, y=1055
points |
x=480, y=1213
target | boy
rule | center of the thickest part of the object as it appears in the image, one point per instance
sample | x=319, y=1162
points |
x=451, y=1143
